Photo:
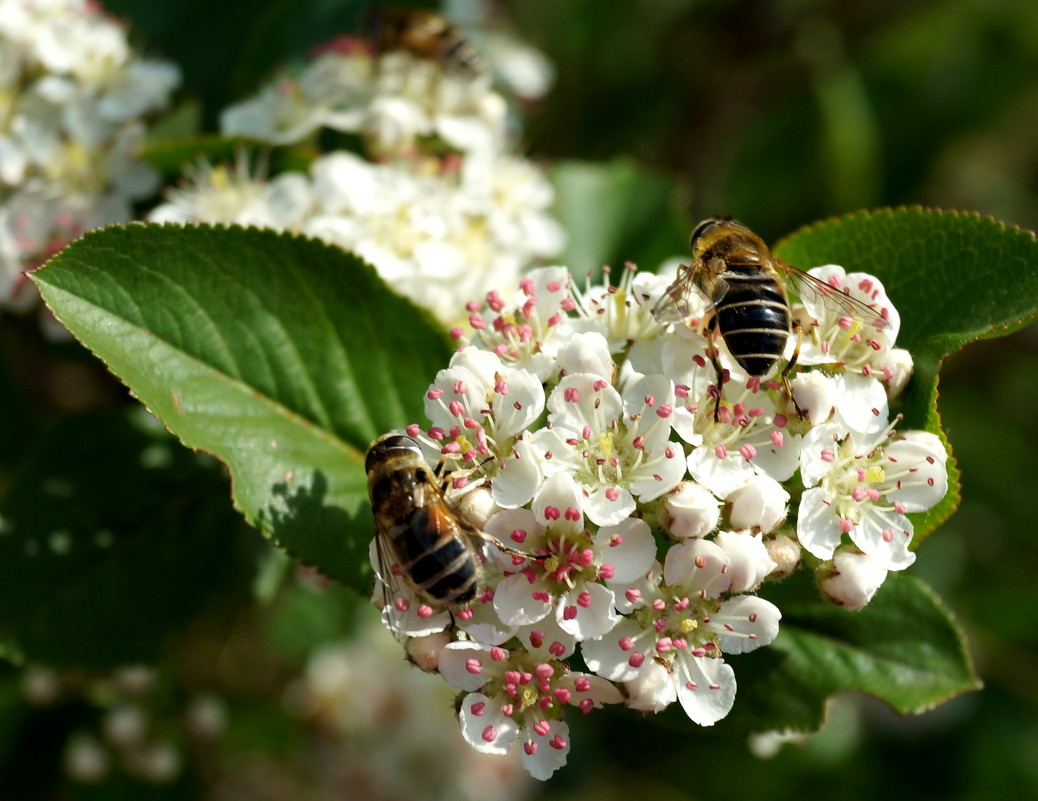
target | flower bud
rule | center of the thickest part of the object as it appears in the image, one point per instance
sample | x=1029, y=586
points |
x=586, y=353
x=852, y=579
x=483, y=364
x=897, y=369
x=749, y=562
x=816, y=395
x=760, y=505
x=690, y=510
x=784, y=552
x=424, y=652
x=476, y=507
x=652, y=690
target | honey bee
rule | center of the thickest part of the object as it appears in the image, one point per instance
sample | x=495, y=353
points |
x=745, y=285
x=419, y=538
x=423, y=34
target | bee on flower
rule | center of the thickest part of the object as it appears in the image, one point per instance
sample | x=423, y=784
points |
x=639, y=527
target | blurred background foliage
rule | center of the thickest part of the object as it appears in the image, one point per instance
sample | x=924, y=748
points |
x=776, y=111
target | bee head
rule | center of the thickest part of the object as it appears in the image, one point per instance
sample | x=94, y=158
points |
x=388, y=445
x=705, y=229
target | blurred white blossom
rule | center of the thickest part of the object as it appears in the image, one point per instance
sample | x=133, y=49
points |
x=73, y=102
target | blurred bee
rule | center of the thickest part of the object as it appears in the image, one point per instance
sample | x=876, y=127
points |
x=736, y=273
x=419, y=538
x=423, y=34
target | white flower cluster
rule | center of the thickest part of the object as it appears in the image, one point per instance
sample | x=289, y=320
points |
x=129, y=737
x=638, y=528
x=439, y=204
x=73, y=96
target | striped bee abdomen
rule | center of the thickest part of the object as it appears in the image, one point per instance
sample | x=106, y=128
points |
x=753, y=319
x=436, y=558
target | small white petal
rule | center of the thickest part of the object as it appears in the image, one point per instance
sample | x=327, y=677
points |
x=629, y=547
x=518, y=477
x=897, y=369
x=520, y=408
x=886, y=540
x=483, y=725
x=587, y=612
x=515, y=604
x=923, y=453
x=698, y=565
x=861, y=404
x=605, y=656
x=659, y=475
x=547, y=640
x=706, y=688
x=549, y=752
x=559, y=494
x=720, y=475
x=457, y=669
x=754, y=622
x=607, y=506
x=818, y=527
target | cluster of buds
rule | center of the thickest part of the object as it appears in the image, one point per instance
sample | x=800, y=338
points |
x=638, y=526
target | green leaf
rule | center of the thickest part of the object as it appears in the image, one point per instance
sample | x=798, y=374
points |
x=904, y=648
x=615, y=212
x=113, y=537
x=954, y=278
x=282, y=356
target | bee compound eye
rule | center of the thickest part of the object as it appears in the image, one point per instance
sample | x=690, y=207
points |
x=700, y=231
x=388, y=445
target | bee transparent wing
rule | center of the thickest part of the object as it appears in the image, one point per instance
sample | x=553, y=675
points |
x=674, y=305
x=809, y=287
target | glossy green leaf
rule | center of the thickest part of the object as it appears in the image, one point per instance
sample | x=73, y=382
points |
x=615, y=212
x=953, y=277
x=282, y=356
x=904, y=648
x=113, y=537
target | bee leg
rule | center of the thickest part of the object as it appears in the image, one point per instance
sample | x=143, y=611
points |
x=717, y=366
x=789, y=368
x=508, y=549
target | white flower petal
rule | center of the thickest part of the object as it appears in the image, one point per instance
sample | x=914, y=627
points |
x=543, y=755
x=607, y=506
x=697, y=565
x=628, y=547
x=461, y=665
x=515, y=604
x=818, y=527
x=706, y=688
x=483, y=725
x=923, y=454
x=587, y=353
x=751, y=622
x=587, y=612
x=605, y=656
x=886, y=540
x=518, y=477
